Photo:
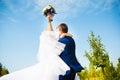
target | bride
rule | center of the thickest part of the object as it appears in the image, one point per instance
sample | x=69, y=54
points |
x=50, y=65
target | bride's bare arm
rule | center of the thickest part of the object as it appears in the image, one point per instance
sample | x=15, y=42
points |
x=49, y=28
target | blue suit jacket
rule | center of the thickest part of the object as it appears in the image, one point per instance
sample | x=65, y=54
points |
x=68, y=55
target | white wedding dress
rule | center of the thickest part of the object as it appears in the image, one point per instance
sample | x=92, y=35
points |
x=49, y=65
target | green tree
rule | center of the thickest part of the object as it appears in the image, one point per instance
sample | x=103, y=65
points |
x=99, y=58
x=83, y=75
x=100, y=67
x=118, y=70
x=3, y=70
x=97, y=54
x=0, y=69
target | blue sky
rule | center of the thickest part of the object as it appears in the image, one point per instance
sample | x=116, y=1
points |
x=21, y=23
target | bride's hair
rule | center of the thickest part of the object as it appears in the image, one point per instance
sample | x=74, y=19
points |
x=63, y=27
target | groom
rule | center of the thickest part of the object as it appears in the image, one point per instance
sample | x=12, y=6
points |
x=68, y=55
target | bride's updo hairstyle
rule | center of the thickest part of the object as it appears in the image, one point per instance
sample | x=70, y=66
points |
x=63, y=27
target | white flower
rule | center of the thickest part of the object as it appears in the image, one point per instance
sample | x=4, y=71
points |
x=48, y=9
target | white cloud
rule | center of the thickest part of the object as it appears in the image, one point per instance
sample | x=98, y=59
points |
x=17, y=6
x=72, y=7
x=12, y=20
x=64, y=8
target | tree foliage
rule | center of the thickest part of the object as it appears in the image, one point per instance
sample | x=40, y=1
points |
x=3, y=70
x=100, y=67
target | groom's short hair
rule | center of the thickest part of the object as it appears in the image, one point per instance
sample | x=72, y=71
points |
x=63, y=27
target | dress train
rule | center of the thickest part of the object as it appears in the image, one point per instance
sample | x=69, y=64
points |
x=50, y=65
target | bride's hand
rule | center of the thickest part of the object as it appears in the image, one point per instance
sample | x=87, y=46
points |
x=66, y=34
x=49, y=17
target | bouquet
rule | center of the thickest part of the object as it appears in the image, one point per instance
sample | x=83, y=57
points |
x=48, y=10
